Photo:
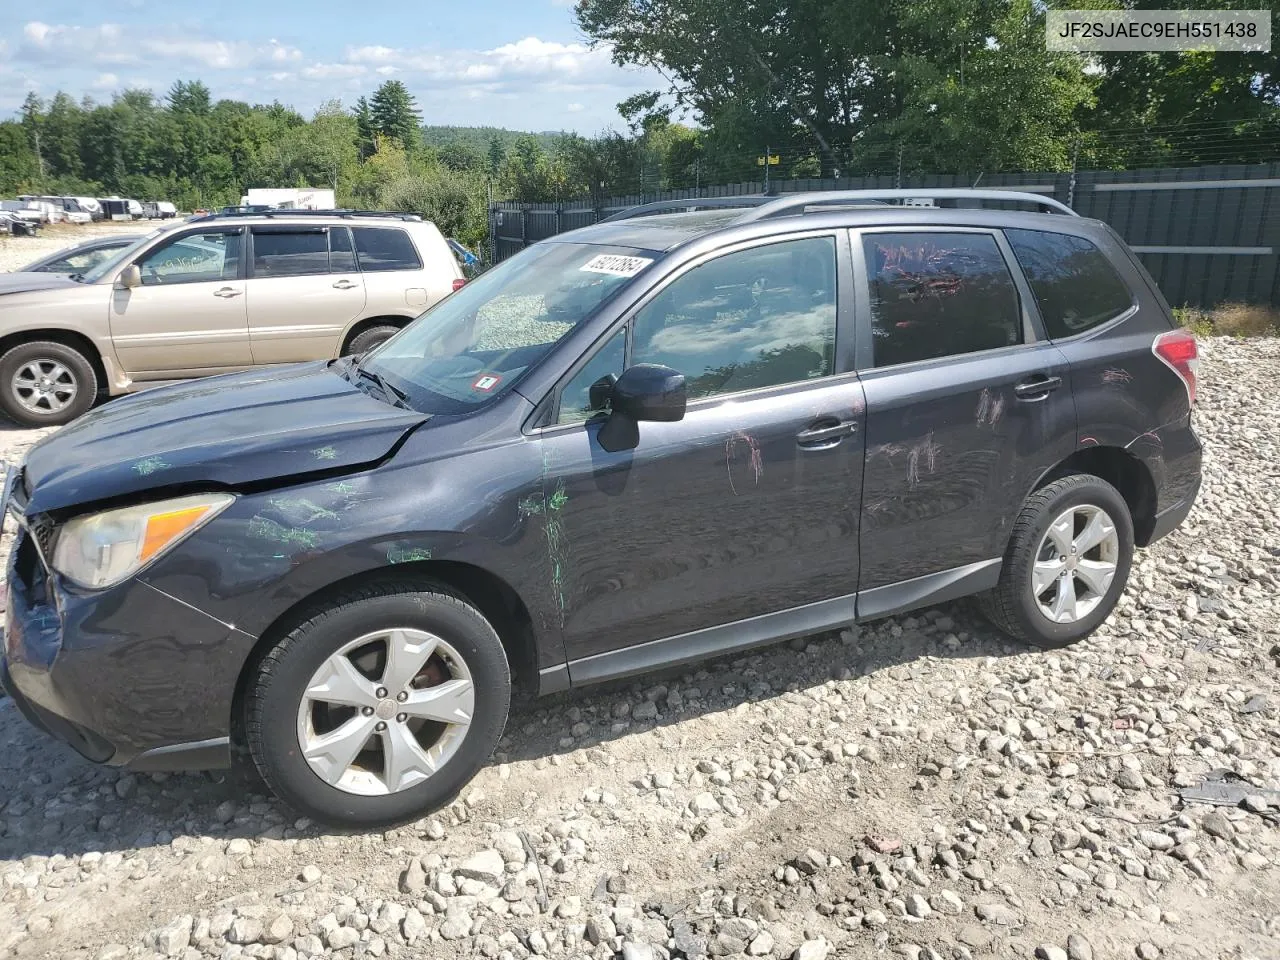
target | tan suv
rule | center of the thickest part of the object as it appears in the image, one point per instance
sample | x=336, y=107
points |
x=215, y=295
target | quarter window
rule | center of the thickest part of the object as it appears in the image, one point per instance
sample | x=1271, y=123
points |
x=385, y=248
x=194, y=258
x=755, y=318
x=939, y=295
x=299, y=254
x=1075, y=285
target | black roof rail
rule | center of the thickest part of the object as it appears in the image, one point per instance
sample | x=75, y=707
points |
x=234, y=212
x=689, y=203
x=797, y=203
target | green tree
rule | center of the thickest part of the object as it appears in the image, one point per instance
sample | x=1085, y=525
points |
x=395, y=113
x=497, y=153
x=365, y=131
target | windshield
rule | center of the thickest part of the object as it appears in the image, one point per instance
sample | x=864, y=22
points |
x=118, y=257
x=476, y=344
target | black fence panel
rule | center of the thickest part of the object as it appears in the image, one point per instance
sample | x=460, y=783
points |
x=1208, y=235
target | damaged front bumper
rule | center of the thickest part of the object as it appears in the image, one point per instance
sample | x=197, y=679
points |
x=104, y=670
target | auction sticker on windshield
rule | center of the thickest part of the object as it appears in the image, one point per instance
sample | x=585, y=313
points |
x=616, y=265
x=487, y=382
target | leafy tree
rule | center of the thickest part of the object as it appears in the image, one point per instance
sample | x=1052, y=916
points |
x=460, y=156
x=395, y=113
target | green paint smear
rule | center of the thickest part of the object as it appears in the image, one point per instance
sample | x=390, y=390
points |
x=325, y=453
x=294, y=536
x=151, y=465
x=540, y=505
x=312, y=510
x=398, y=555
x=341, y=487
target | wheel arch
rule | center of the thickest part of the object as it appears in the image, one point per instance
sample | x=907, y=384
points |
x=496, y=600
x=367, y=323
x=1124, y=471
x=74, y=339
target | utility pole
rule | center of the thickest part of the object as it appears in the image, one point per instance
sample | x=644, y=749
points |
x=897, y=180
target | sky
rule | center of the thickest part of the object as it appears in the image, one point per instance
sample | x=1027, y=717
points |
x=520, y=64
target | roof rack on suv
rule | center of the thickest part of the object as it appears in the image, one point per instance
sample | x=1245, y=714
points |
x=230, y=212
x=689, y=203
x=795, y=204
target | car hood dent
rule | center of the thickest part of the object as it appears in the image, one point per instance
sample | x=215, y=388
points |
x=26, y=282
x=233, y=430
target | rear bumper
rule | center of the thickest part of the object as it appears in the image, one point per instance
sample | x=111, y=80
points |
x=1171, y=517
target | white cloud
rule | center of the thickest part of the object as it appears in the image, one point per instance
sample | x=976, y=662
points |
x=333, y=71
x=575, y=108
x=106, y=81
x=107, y=43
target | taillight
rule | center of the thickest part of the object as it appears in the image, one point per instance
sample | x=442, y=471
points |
x=1177, y=350
x=459, y=284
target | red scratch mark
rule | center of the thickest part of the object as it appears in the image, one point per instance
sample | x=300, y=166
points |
x=1116, y=375
x=757, y=462
x=1088, y=442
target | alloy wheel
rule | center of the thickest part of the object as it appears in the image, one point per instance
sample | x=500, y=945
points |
x=45, y=386
x=385, y=712
x=1075, y=564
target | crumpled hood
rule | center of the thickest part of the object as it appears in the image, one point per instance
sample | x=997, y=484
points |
x=228, y=430
x=24, y=282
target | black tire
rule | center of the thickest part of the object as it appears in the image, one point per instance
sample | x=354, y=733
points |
x=1012, y=605
x=69, y=359
x=274, y=696
x=366, y=340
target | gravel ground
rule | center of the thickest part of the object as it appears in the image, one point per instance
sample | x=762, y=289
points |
x=16, y=252
x=915, y=788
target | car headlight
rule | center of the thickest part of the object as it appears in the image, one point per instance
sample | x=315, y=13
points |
x=102, y=549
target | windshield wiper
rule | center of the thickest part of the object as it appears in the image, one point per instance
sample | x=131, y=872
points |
x=395, y=396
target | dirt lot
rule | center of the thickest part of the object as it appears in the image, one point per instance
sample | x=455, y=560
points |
x=16, y=252
x=917, y=788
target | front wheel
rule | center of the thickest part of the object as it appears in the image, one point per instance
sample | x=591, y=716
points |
x=46, y=384
x=380, y=708
x=1067, y=563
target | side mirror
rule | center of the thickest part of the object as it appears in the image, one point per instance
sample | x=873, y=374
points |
x=130, y=277
x=646, y=391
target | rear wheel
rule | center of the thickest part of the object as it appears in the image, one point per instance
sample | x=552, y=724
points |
x=366, y=340
x=1067, y=563
x=381, y=708
x=46, y=384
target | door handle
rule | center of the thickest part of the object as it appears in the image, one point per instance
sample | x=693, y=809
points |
x=227, y=292
x=344, y=285
x=828, y=435
x=1037, y=389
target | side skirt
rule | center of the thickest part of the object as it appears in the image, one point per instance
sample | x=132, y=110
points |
x=783, y=625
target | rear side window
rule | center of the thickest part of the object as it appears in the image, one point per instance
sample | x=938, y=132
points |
x=1075, y=284
x=278, y=254
x=939, y=295
x=385, y=248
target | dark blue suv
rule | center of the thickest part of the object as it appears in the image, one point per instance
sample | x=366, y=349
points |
x=668, y=436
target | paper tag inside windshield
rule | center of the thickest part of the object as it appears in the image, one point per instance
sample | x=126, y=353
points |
x=615, y=265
